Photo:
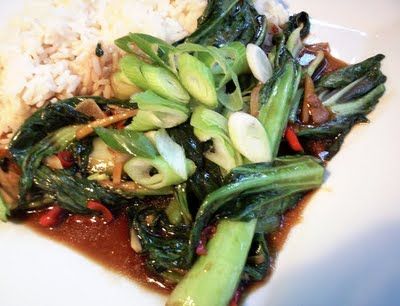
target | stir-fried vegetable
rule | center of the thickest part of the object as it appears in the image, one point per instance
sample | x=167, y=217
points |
x=211, y=126
x=218, y=111
x=157, y=112
x=197, y=79
x=225, y=21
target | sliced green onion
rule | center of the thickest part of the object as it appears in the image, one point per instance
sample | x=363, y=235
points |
x=197, y=78
x=155, y=173
x=164, y=83
x=172, y=153
x=249, y=137
x=259, y=63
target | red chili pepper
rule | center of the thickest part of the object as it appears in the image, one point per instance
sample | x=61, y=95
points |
x=105, y=212
x=206, y=235
x=292, y=139
x=120, y=125
x=52, y=217
x=66, y=158
x=236, y=297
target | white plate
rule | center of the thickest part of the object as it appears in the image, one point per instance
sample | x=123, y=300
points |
x=345, y=251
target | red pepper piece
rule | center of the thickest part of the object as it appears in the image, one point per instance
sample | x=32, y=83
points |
x=105, y=212
x=52, y=217
x=206, y=235
x=292, y=140
x=236, y=297
x=66, y=158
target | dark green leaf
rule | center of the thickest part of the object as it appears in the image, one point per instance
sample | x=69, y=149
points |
x=73, y=192
x=226, y=21
x=349, y=74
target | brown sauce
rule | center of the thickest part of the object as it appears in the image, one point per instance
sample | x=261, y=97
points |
x=106, y=244
x=294, y=216
x=109, y=244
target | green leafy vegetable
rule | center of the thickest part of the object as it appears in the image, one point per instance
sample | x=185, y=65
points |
x=49, y=145
x=285, y=177
x=296, y=21
x=213, y=278
x=127, y=141
x=178, y=210
x=73, y=192
x=347, y=75
x=276, y=103
x=156, y=49
x=210, y=125
x=281, y=178
x=227, y=21
x=43, y=122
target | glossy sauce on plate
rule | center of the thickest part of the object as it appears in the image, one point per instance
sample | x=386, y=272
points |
x=109, y=244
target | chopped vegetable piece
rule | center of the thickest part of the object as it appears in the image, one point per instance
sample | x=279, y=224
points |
x=157, y=112
x=98, y=207
x=122, y=87
x=135, y=242
x=197, y=78
x=90, y=108
x=214, y=278
x=117, y=172
x=206, y=235
x=127, y=141
x=292, y=140
x=89, y=129
x=164, y=83
x=172, y=153
x=155, y=173
x=259, y=63
x=210, y=125
x=52, y=217
x=276, y=97
x=66, y=158
x=255, y=100
x=225, y=21
x=313, y=111
x=349, y=74
x=249, y=137
x=130, y=66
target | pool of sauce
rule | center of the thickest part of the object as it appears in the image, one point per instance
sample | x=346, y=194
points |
x=109, y=244
x=106, y=244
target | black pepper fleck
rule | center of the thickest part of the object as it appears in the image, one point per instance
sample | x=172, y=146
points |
x=99, y=50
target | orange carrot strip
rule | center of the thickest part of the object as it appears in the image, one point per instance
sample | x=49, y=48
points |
x=88, y=129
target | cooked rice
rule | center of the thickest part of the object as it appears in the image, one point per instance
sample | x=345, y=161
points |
x=50, y=54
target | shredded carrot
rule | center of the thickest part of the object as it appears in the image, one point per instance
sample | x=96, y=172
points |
x=117, y=172
x=88, y=129
x=255, y=100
